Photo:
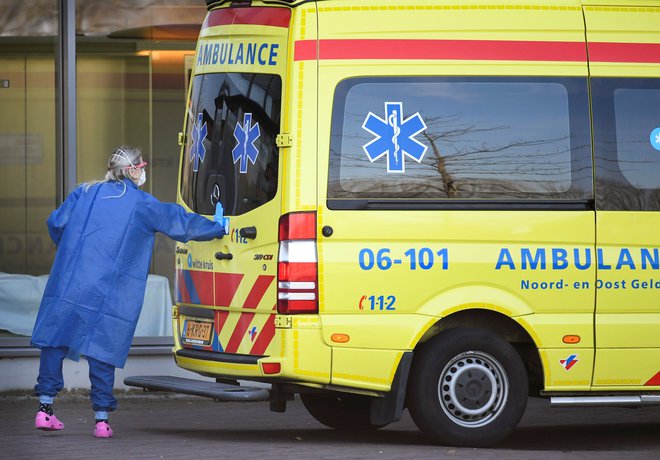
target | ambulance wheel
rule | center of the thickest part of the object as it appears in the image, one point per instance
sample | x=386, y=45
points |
x=344, y=412
x=468, y=387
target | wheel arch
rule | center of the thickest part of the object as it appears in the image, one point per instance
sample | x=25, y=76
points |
x=505, y=327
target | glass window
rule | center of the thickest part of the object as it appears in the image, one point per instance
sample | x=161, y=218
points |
x=460, y=138
x=627, y=138
x=27, y=159
x=132, y=64
x=637, y=125
x=131, y=60
x=230, y=151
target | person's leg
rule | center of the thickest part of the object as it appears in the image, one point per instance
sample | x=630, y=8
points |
x=49, y=382
x=102, y=378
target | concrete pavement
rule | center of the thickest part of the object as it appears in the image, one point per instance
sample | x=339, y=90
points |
x=149, y=426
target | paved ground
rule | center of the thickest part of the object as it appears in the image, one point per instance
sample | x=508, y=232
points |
x=156, y=426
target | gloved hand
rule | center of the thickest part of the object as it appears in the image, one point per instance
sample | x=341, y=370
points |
x=221, y=219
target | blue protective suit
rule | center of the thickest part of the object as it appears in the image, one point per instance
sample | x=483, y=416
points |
x=95, y=291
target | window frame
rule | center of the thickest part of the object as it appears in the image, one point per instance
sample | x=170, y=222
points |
x=581, y=156
x=189, y=178
x=606, y=146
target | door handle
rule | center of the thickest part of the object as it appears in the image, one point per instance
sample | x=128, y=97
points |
x=248, y=232
x=224, y=255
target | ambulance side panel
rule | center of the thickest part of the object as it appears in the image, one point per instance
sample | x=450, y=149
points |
x=417, y=237
x=447, y=153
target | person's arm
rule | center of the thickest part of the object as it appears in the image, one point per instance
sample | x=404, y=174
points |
x=173, y=221
x=59, y=218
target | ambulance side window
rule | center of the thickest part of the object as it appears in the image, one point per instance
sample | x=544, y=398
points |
x=460, y=139
x=627, y=143
x=230, y=153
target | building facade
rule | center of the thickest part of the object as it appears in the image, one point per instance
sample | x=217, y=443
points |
x=78, y=79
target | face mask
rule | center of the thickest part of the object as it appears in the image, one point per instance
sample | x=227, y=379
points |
x=142, y=179
x=143, y=175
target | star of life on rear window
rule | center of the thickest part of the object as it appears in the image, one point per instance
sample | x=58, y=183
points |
x=230, y=154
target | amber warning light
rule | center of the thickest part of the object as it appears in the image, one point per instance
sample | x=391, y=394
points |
x=340, y=338
x=571, y=339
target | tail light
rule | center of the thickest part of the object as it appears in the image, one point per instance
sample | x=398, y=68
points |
x=297, y=267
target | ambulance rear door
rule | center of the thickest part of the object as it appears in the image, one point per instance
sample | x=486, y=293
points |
x=231, y=158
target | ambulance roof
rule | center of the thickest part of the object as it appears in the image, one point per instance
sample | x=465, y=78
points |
x=238, y=3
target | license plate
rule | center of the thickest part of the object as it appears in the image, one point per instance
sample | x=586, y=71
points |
x=198, y=332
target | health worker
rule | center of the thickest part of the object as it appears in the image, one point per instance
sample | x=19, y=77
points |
x=104, y=233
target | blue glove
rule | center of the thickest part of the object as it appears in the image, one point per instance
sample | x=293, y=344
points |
x=220, y=218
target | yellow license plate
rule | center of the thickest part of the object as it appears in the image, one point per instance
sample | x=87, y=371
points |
x=198, y=332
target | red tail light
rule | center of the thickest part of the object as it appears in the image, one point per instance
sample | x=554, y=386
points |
x=297, y=268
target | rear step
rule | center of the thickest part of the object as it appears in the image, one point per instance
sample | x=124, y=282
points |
x=220, y=391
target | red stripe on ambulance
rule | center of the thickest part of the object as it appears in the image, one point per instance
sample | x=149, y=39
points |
x=257, y=16
x=258, y=291
x=203, y=284
x=181, y=288
x=476, y=50
x=472, y=50
x=265, y=336
x=624, y=52
x=226, y=285
x=254, y=297
x=220, y=320
x=199, y=283
x=654, y=381
x=241, y=328
x=304, y=50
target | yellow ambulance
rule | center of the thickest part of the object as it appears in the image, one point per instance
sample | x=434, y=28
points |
x=444, y=206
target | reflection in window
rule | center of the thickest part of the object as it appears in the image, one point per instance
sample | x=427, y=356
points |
x=637, y=116
x=230, y=153
x=627, y=153
x=27, y=158
x=130, y=89
x=476, y=138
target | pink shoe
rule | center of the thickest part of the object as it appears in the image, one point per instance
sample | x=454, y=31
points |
x=102, y=430
x=46, y=422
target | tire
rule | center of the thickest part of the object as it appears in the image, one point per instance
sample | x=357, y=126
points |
x=340, y=411
x=468, y=387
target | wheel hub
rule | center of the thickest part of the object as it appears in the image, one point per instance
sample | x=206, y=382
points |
x=473, y=389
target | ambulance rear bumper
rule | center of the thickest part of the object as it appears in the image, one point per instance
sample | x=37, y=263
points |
x=218, y=357
x=219, y=391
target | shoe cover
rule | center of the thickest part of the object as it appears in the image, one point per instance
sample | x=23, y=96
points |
x=46, y=422
x=102, y=430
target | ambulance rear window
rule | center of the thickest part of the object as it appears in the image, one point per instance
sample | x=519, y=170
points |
x=461, y=139
x=230, y=153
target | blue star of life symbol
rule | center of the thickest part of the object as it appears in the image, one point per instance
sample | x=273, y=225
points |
x=655, y=138
x=197, y=149
x=395, y=137
x=245, y=136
